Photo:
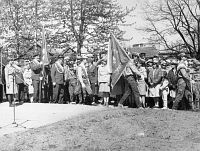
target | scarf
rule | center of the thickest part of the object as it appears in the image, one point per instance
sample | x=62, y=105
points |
x=59, y=67
x=182, y=64
x=83, y=69
x=36, y=62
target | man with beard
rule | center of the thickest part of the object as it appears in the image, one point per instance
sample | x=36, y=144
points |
x=57, y=75
x=36, y=67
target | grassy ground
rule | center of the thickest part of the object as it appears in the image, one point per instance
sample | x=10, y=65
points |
x=113, y=129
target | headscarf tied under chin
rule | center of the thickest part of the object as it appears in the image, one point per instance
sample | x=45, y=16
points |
x=181, y=65
x=59, y=67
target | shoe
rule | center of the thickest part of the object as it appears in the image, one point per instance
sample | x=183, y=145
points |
x=164, y=108
x=120, y=105
x=11, y=105
x=156, y=106
x=93, y=103
x=21, y=102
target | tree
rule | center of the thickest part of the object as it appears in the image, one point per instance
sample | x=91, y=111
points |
x=178, y=19
x=69, y=24
x=90, y=21
x=18, y=24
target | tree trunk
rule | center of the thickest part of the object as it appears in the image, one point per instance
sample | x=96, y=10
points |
x=36, y=24
x=79, y=46
x=198, y=41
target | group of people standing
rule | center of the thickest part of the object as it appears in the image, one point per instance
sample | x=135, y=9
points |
x=156, y=82
x=152, y=82
x=62, y=81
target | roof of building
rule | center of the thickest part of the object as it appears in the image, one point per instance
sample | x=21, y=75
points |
x=149, y=51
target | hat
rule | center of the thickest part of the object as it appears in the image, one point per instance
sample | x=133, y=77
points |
x=61, y=56
x=163, y=63
x=81, y=57
x=184, y=55
x=190, y=62
x=84, y=57
x=16, y=59
x=196, y=62
x=155, y=61
x=142, y=54
x=174, y=62
x=66, y=57
x=168, y=61
x=90, y=59
x=149, y=61
x=35, y=54
x=78, y=57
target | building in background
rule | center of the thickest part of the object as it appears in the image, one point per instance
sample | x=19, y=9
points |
x=150, y=49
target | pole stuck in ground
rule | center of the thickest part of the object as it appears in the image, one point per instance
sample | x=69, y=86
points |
x=14, y=122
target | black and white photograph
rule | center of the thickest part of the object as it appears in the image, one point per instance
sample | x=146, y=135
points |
x=99, y=75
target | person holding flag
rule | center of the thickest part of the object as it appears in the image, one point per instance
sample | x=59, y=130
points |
x=131, y=74
x=36, y=67
x=45, y=70
x=118, y=61
x=57, y=75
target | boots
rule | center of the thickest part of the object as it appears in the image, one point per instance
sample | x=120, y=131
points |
x=165, y=104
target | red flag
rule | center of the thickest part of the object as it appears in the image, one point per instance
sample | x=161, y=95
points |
x=117, y=59
x=45, y=59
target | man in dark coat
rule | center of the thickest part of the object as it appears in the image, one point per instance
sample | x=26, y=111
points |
x=20, y=83
x=36, y=67
x=57, y=75
x=172, y=78
x=183, y=84
x=84, y=83
x=92, y=71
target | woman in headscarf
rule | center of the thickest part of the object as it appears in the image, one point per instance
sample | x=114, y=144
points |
x=154, y=79
x=11, y=86
x=104, y=81
x=141, y=82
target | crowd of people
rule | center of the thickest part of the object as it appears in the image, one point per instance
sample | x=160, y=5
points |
x=146, y=82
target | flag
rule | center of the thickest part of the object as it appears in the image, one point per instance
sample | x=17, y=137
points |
x=117, y=59
x=45, y=59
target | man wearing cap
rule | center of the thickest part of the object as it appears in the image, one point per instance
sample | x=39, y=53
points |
x=131, y=75
x=92, y=75
x=183, y=84
x=164, y=88
x=57, y=75
x=11, y=87
x=172, y=78
x=67, y=64
x=20, y=82
x=70, y=80
x=84, y=82
x=36, y=67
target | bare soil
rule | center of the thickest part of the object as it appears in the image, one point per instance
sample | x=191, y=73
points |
x=113, y=130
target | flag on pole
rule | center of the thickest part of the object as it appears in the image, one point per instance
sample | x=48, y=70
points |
x=117, y=59
x=45, y=59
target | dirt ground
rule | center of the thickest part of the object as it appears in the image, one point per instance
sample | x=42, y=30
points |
x=113, y=129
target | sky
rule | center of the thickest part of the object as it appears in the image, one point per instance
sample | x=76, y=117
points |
x=138, y=17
